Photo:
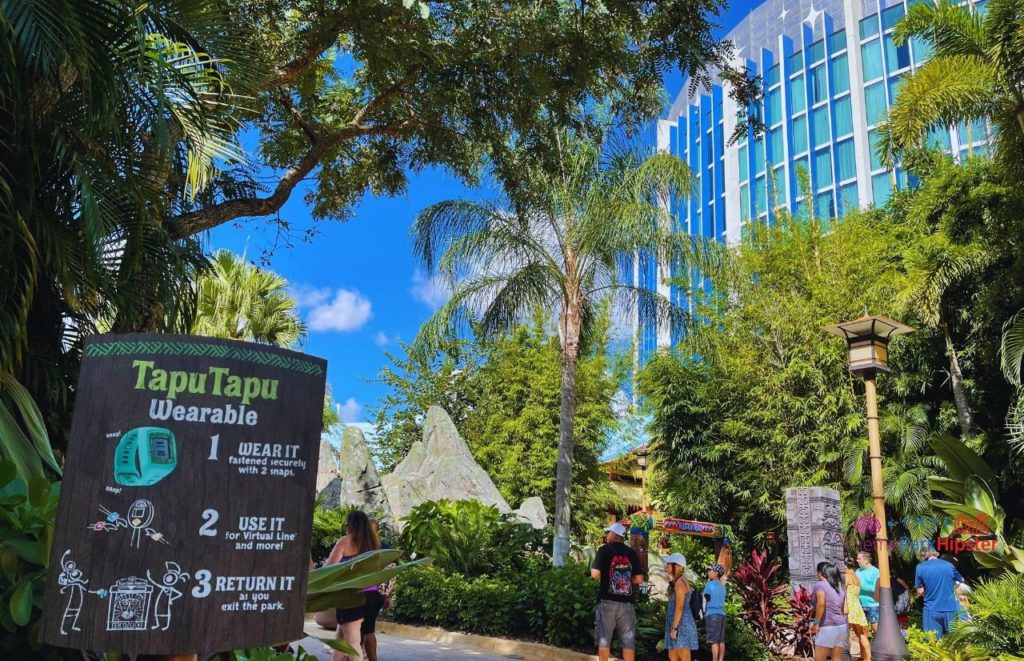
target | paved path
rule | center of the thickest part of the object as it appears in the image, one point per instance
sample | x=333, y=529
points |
x=393, y=648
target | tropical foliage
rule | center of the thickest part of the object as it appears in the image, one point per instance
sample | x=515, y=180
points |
x=239, y=301
x=974, y=75
x=556, y=251
x=472, y=539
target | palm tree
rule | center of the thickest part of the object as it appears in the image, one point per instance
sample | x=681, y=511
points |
x=1011, y=352
x=976, y=72
x=108, y=110
x=556, y=250
x=240, y=301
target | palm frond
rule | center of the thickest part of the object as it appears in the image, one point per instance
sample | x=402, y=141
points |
x=944, y=91
x=953, y=29
x=1011, y=348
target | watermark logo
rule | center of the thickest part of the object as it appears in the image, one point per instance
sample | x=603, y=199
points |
x=963, y=533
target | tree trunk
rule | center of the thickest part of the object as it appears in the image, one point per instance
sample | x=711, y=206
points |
x=956, y=378
x=570, y=323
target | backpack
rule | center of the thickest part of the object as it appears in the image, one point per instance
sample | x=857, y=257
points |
x=697, y=605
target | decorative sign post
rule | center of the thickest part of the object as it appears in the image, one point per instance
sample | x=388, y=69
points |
x=814, y=525
x=185, y=511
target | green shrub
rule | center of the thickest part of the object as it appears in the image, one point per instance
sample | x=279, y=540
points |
x=554, y=606
x=27, y=513
x=996, y=626
x=473, y=539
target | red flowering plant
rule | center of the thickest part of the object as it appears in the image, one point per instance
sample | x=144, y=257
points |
x=763, y=594
x=801, y=610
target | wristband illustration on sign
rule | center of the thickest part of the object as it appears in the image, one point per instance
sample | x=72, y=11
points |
x=144, y=456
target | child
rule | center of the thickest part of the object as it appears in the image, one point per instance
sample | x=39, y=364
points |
x=714, y=592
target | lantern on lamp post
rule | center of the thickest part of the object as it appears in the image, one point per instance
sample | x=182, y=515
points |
x=868, y=342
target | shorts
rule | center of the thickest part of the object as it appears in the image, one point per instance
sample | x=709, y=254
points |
x=615, y=617
x=938, y=621
x=346, y=615
x=832, y=636
x=374, y=602
x=871, y=612
x=714, y=629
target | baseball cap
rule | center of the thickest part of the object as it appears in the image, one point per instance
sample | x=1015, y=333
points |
x=674, y=559
x=717, y=568
x=617, y=528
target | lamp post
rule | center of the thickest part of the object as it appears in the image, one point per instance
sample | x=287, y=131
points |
x=641, y=461
x=868, y=342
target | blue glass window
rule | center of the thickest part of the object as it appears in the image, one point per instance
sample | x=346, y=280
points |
x=894, y=88
x=816, y=52
x=819, y=84
x=799, y=164
x=840, y=75
x=881, y=189
x=891, y=16
x=938, y=138
x=796, y=61
x=981, y=7
x=771, y=77
x=871, y=58
x=837, y=41
x=822, y=168
x=759, y=156
x=744, y=201
x=799, y=128
x=844, y=116
x=874, y=101
x=848, y=199
x=896, y=57
x=847, y=160
x=822, y=134
x=801, y=209
x=974, y=133
x=760, y=195
x=824, y=206
x=776, y=152
x=873, y=142
x=773, y=107
x=744, y=163
x=869, y=26
x=778, y=184
x=799, y=92
x=923, y=49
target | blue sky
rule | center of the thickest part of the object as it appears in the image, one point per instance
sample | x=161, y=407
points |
x=358, y=283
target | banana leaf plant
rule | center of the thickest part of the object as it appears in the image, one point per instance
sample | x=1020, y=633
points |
x=967, y=491
x=23, y=438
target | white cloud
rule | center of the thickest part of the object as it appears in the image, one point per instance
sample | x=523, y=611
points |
x=432, y=291
x=347, y=311
x=307, y=296
x=381, y=339
x=350, y=410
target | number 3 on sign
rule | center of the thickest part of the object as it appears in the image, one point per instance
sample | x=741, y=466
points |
x=207, y=529
x=203, y=577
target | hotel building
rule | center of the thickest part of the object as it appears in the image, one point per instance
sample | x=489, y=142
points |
x=830, y=70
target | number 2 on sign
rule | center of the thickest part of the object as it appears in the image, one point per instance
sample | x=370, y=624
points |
x=214, y=442
x=207, y=529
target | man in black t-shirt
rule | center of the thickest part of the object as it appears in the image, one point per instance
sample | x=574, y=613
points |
x=618, y=568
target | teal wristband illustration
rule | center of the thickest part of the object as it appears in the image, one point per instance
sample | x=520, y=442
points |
x=144, y=456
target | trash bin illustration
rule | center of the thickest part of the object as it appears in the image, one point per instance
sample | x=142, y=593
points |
x=129, y=605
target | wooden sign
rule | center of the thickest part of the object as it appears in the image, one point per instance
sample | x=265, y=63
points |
x=696, y=528
x=185, y=512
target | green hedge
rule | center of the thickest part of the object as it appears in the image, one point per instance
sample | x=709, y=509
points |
x=553, y=606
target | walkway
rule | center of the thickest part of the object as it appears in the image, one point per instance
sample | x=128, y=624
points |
x=393, y=648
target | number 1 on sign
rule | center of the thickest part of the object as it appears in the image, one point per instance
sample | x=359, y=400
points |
x=214, y=442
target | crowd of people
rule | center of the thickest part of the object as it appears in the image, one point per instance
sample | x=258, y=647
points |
x=846, y=601
x=620, y=571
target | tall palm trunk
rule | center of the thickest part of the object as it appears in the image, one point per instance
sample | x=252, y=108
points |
x=570, y=324
x=956, y=378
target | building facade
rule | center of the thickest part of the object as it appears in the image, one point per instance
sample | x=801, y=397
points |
x=830, y=70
